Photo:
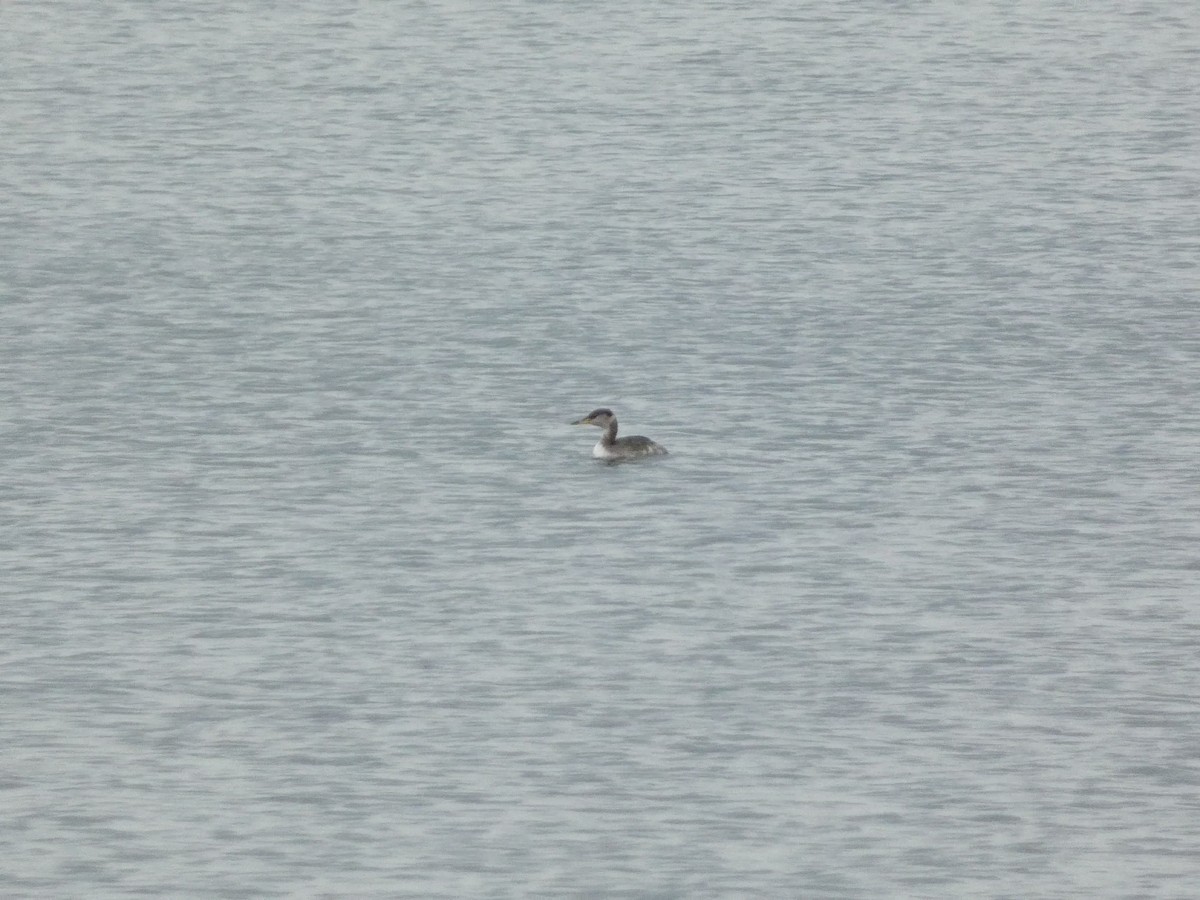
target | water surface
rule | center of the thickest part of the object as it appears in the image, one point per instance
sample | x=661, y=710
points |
x=310, y=591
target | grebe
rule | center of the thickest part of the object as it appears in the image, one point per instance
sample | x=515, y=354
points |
x=612, y=447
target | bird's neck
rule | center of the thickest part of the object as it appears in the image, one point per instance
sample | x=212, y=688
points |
x=610, y=433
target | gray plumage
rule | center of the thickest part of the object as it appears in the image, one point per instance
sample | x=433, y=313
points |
x=612, y=447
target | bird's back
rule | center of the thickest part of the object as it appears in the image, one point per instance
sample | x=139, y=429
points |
x=638, y=445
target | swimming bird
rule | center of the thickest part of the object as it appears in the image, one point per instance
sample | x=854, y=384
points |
x=612, y=447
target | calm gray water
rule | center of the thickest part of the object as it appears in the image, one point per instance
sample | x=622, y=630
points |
x=309, y=590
